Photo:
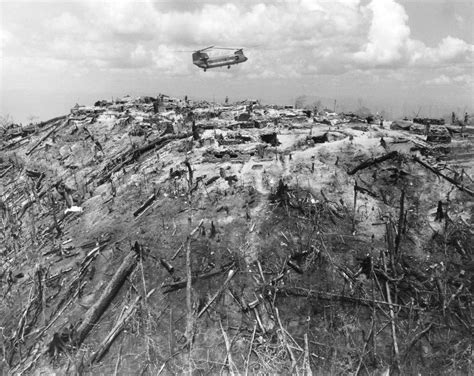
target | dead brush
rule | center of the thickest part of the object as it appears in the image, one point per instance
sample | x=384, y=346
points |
x=270, y=357
x=28, y=316
x=319, y=210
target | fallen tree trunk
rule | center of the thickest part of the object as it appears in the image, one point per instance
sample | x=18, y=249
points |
x=439, y=173
x=145, y=206
x=50, y=121
x=132, y=155
x=393, y=322
x=303, y=292
x=31, y=201
x=116, y=330
x=190, y=319
x=360, y=189
x=170, y=287
x=33, y=148
x=94, y=313
x=5, y=171
x=97, y=143
x=373, y=161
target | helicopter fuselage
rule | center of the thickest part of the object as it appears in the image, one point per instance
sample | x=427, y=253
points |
x=202, y=60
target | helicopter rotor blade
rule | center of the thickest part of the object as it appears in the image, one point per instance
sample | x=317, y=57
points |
x=204, y=49
x=227, y=48
x=258, y=47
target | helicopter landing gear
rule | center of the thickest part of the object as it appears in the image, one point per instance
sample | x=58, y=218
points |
x=228, y=67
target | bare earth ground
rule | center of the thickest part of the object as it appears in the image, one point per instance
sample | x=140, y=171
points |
x=233, y=253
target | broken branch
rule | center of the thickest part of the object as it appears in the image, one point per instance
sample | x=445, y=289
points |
x=33, y=148
x=373, y=161
x=437, y=172
x=215, y=296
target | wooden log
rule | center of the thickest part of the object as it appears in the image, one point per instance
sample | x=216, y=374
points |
x=228, y=347
x=169, y=268
x=440, y=174
x=160, y=142
x=147, y=203
x=119, y=165
x=189, y=333
x=190, y=173
x=401, y=217
x=5, y=171
x=132, y=155
x=170, y=287
x=97, y=143
x=94, y=313
x=54, y=129
x=50, y=121
x=306, y=359
x=303, y=292
x=360, y=189
x=40, y=195
x=212, y=180
x=247, y=362
x=416, y=338
x=216, y=295
x=285, y=342
x=392, y=318
x=295, y=266
x=355, y=208
x=373, y=161
x=116, y=330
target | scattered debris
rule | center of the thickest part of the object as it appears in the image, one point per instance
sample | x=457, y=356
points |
x=429, y=121
x=311, y=241
x=270, y=138
x=438, y=134
x=73, y=209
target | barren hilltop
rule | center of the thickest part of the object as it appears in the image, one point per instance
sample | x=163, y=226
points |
x=150, y=236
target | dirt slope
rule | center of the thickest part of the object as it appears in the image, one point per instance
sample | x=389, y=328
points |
x=271, y=242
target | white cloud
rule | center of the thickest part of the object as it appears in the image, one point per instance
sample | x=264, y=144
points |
x=449, y=50
x=290, y=38
x=65, y=23
x=444, y=79
x=169, y=63
x=5, y=38
x=459, y=19
x=440, y=80
x=390, y=45
x=388, y=34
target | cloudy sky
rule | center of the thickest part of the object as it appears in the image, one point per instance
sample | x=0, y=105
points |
x=403, y=56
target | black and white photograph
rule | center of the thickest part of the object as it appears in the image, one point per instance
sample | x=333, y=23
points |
x=236, y=187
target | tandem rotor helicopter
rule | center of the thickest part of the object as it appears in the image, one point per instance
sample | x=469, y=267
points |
x=202, y=59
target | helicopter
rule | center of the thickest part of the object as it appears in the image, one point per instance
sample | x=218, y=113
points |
x=202, y=59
